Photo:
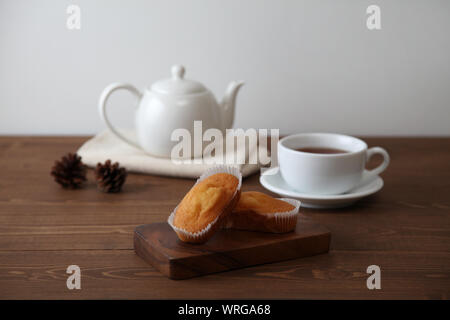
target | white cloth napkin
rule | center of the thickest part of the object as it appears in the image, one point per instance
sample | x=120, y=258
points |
x=106, y=146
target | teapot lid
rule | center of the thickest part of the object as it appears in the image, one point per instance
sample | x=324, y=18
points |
x=178, y=85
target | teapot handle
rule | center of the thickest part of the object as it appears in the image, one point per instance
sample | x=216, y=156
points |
x=102, y=107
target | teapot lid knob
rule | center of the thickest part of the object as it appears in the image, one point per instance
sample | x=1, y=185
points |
x=177, y=84
x=178, y=71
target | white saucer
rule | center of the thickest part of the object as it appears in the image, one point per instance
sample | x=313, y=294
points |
x=272, y=180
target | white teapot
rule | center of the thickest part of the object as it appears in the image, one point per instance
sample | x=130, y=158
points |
x=171, y=104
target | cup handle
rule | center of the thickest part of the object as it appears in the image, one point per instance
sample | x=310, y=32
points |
x=372, y=174
x=102, y=107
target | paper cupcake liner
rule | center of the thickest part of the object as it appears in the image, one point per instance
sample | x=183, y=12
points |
x=282, y=221
x=287, y=221
x=206, y=233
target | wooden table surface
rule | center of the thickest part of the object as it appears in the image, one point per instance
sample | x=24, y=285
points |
x=404, y=228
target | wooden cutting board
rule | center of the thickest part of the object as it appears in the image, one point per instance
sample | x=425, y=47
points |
x=158, y=244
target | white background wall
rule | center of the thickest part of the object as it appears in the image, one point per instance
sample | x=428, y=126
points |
x=309, y=65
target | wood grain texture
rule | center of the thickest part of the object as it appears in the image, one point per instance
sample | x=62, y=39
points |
x=121, y=274
x=228, y=249
x=404, y=228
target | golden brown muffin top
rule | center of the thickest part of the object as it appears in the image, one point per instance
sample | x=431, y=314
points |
x=205, y=202
x=261, y=203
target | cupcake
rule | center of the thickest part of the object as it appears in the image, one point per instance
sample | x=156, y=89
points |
x=257, y=211
x=206, y=206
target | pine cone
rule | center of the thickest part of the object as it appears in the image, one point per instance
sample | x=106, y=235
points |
x=110, y=178
x=69, y=172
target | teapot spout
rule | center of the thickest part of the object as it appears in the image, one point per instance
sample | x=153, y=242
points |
x=228, y=104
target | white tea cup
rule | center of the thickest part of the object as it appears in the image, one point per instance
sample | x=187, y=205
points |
x=327, y=163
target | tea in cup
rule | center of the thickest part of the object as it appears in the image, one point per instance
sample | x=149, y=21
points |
x=327, y=163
